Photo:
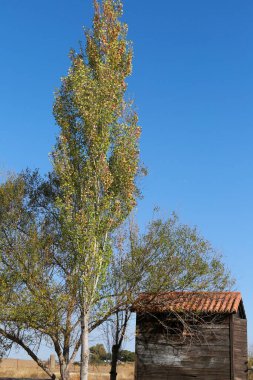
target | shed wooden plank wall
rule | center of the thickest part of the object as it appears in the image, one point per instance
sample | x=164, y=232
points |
x=240, y=348
x=207, y=358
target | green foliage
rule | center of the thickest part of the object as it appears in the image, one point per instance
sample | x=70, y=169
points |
x=127, y=356
x=97, y=155
x=172, y=256
x=37, y=296
x=98, y=353
x=96, y=158
x=28, y=273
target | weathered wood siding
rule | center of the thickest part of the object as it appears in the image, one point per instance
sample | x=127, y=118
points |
x=240, y=355
x=205, y=356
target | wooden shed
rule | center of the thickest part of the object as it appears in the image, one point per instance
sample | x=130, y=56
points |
x=191, y=335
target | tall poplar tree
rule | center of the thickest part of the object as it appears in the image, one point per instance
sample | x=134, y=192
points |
x=97, y=154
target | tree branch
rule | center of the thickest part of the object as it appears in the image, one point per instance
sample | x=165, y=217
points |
x=19, y=341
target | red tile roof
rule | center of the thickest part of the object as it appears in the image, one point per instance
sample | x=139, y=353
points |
x=200, y=302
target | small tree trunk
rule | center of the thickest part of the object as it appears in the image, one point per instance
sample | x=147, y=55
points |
x=65, y=375
x=84, y=346
x=120, y=328
x=115, y=356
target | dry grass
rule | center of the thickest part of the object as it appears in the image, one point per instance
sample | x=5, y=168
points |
x=23, y=373
x=125, y=372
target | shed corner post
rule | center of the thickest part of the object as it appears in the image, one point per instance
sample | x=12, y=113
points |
x=136, y=354
x=231, y=344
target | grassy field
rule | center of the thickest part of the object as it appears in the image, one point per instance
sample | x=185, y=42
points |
x=125, y=372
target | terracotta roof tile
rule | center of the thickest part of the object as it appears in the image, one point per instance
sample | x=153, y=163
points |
x=208, y=302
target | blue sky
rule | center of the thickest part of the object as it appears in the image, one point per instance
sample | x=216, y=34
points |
x=193, y=88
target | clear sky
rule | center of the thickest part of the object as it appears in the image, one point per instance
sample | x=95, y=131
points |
x=193, y=87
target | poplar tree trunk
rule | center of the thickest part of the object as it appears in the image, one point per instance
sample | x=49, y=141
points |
x=84, y=346
x=115, y=355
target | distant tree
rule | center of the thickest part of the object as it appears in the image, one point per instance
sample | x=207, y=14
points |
x=169, y=256
x=98, y=353
x=126, y=356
